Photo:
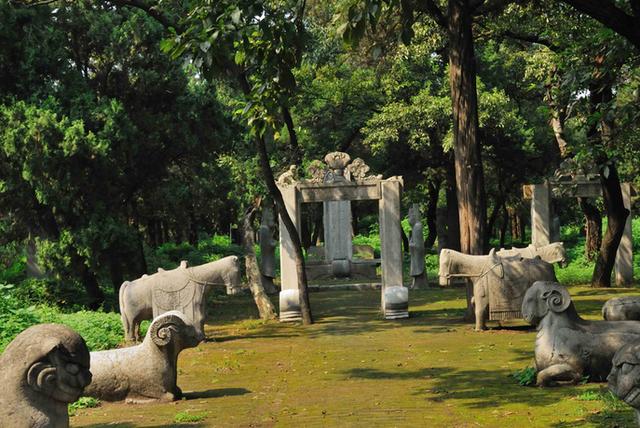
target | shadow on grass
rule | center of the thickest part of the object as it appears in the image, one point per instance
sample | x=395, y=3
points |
x=604, y=419
x=215, y=393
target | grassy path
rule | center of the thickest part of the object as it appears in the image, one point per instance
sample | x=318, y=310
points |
x=353, y=369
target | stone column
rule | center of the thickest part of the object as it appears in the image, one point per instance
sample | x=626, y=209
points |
x=395, y=297
x=338, y=236
x=624, y=257
x=541, y=220
x=289, y=294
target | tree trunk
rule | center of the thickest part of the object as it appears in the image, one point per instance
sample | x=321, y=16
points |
x=453, y=223
x=616, y=219
x=466, y=145
x=600, y=95
x=267, y=173
x=593, y=228
x=503, y=225
x=265, y=308
x=432, y=208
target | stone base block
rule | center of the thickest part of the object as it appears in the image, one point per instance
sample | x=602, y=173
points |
x=341, y=268
x=290, y=306
x=396, y=302
x=360, y=269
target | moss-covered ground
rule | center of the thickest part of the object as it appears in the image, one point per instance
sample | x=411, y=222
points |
x=353, y=369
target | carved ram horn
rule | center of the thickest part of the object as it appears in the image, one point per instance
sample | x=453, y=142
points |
x=557, y=297
x=165, y=326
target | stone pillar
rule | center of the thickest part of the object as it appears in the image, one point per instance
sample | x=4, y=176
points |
x=289, y=296
x=338, y=236
x=624, y=257
x=541, y=215
x=395, y=298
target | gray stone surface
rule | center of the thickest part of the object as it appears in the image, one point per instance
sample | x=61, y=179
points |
x=42, y=370
x=499, y=283
x=183, y=288
x=541, y=215
x=622, y=308
x=396, y=302
x=267, y=244
x=148, y=371
x=416, y=249
x=568, y=347
x=624, y=378
x=390, y=240
x=290, y=305
x=288, y=272
x=552, y=253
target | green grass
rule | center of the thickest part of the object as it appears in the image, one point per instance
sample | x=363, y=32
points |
x=187, y=417
x=83, y=403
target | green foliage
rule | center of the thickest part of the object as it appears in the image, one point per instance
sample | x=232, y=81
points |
x=83, y=403
x=186, y=417
x=526, y=376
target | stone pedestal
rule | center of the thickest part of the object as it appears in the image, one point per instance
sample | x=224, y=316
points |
x=289, y=296
x=624, y=257
x=391, y=250
x=396, y=302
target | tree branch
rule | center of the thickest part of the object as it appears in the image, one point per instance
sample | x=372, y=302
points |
x=611, y=16
x=532, y=38
x=432, y=9
x=153, y=11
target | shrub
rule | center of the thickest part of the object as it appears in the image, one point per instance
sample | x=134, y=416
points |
x=526, y=376
x=185, y=416
x=83, y=403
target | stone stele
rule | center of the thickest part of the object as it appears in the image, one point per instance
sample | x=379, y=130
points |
x=43, y=369
x=148, y=371
x=624, y=378
x=568, y=347
x=183, y=289
x=267, y=244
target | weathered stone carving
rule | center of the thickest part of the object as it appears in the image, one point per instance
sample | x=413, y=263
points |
x=337, y=162
x=624, y=378
x=499, y=283
x=396, y=302
x=552, y=253
x=622, y=308
x=316, y=171
x=148, y=371
x=358, y=169
x=183, y=289
x=267, y=250
x=568, y=347
x=416, y=249
x=43, y=369
x=289, y=177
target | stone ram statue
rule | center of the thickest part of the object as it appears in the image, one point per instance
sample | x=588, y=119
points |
x=499, y=283
x=552, y=253
x=624, y=378
x=148, y=371
x=43, y=369
x=567, y=347
x=183, y=288
x=622, y=308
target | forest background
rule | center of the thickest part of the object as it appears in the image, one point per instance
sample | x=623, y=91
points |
x=135, y=134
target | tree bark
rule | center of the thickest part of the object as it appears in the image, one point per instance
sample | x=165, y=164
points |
x=432, y=208
x=593, y=228
x=453, y=223
x=468, y=163
x=466, y=145
x=265, y=308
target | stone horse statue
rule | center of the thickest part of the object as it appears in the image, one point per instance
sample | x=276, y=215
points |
x=552, y=253
x=499, y=283
x=183, y=289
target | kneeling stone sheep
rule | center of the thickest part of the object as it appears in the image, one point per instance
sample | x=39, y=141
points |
x=145, y=372
x=567, y=346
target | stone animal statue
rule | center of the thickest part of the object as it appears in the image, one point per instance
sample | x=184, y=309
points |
x=552, y=253
x=183, y=289
x=499, y=283
x=568, y=347
x=43, y=369
x=624, y=378
x=622, y=308
x=148, y=371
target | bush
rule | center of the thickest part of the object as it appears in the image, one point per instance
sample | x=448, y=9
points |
x=526, y=376
x=83, y=403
